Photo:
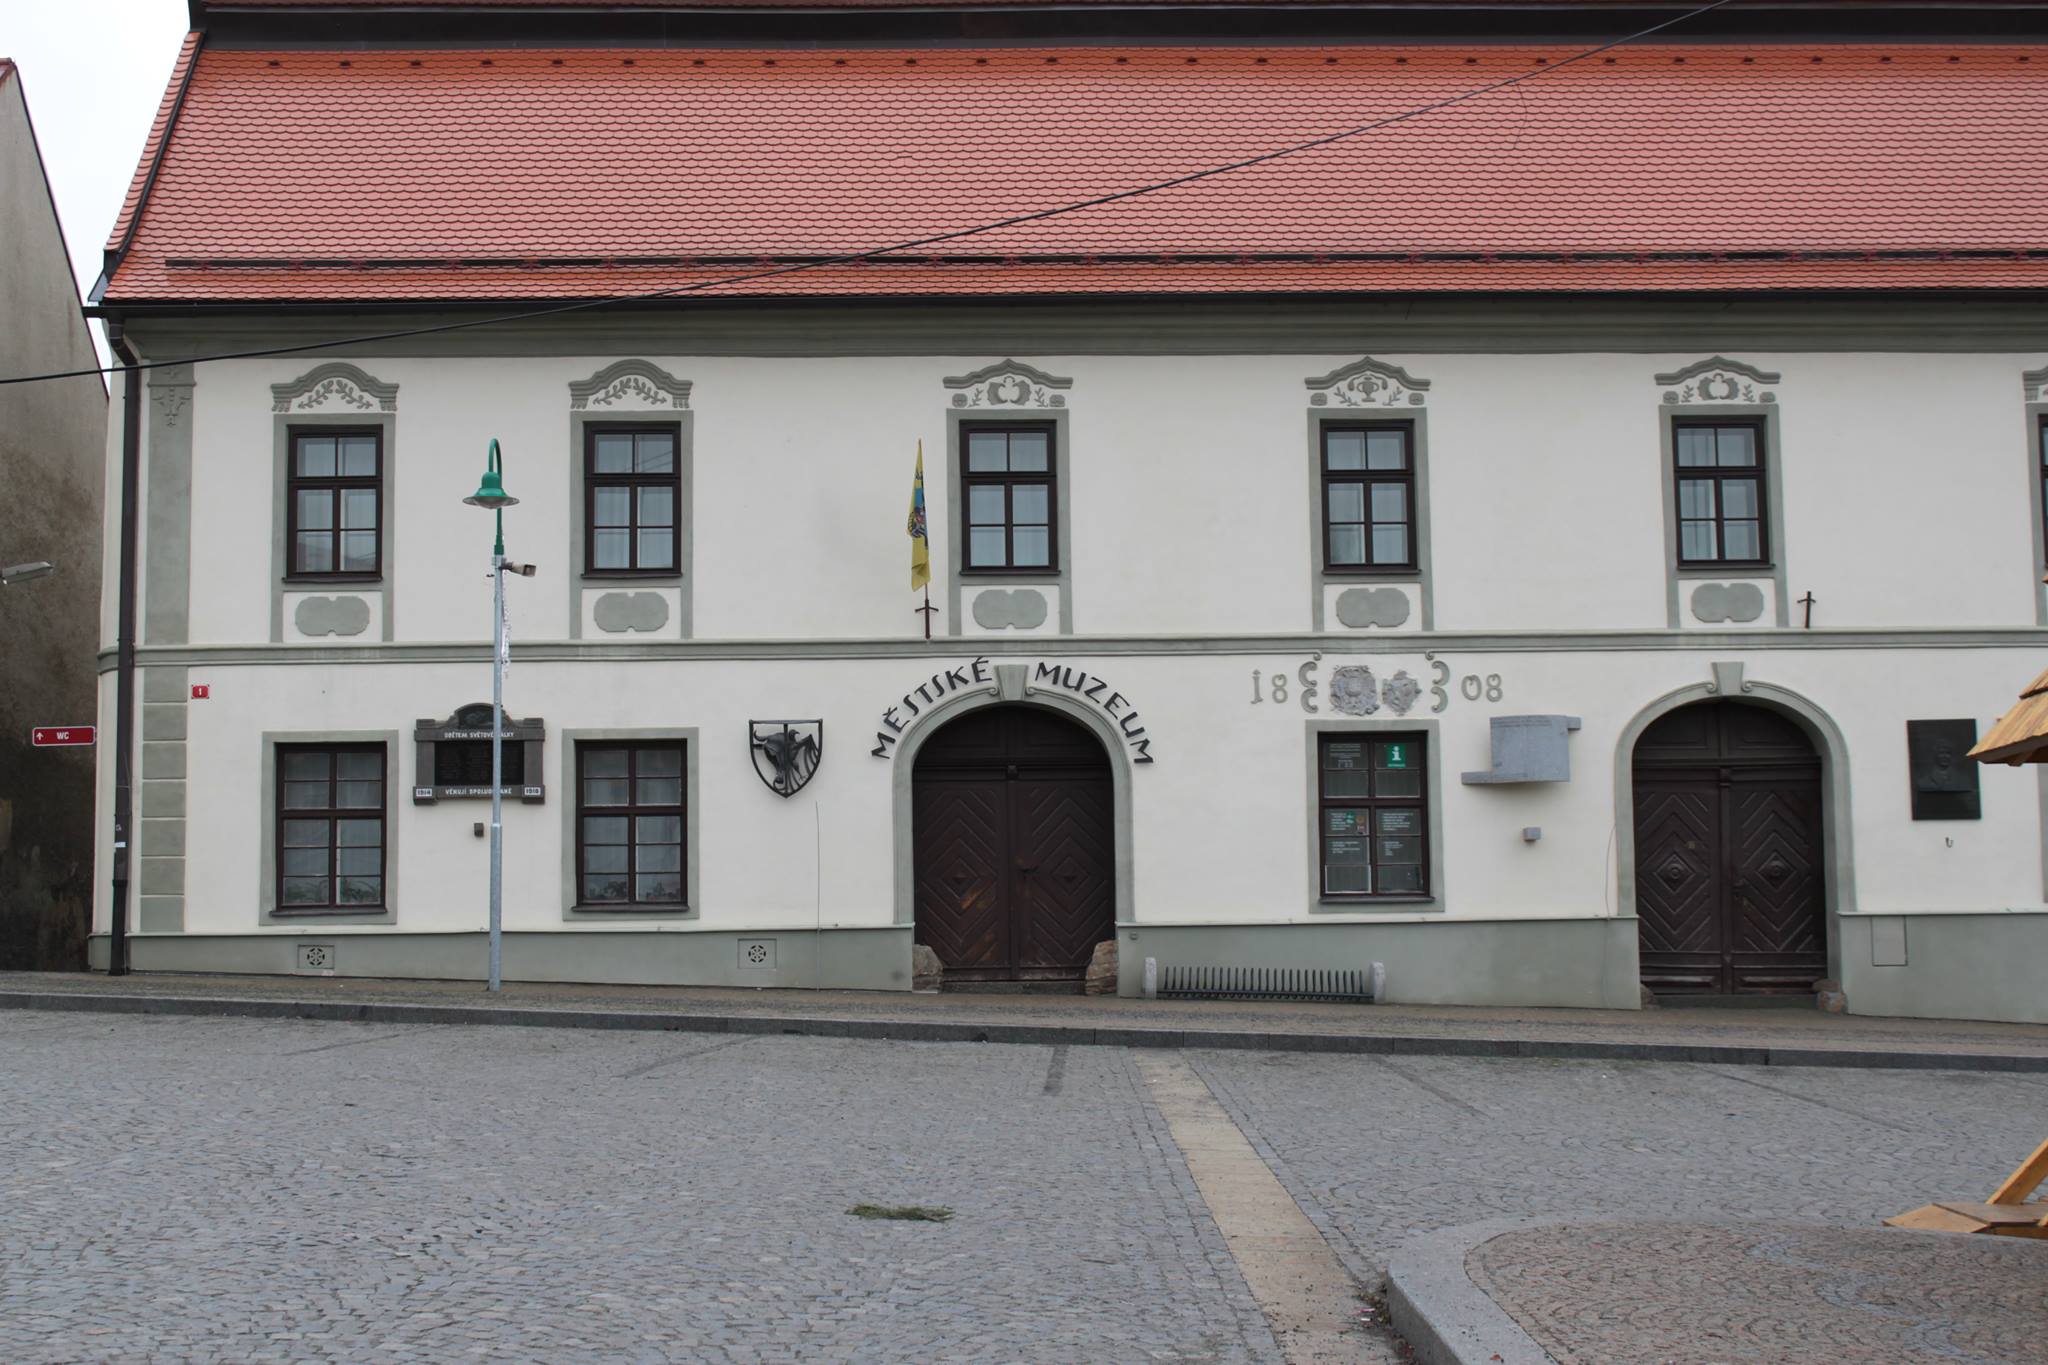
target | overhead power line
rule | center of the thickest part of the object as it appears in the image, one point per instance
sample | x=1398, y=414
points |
x=916, y=243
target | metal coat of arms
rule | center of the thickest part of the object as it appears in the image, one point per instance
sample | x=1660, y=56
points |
x=786, y=752
x=1354, y=691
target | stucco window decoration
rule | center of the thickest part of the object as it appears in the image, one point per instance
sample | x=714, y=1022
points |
x=1367, y=383
x=2035, y=383
x=334, y=387
x=1719, y=380
x=630, y=385
x=1008, y=384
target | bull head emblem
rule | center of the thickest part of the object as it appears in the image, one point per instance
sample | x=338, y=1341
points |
x=786, y=752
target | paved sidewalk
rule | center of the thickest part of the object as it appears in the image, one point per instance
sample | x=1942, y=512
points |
x=1681, y=1293
x=1756, y=1037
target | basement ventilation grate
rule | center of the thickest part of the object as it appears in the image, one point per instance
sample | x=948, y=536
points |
x=315, y=959
x=1265, y=983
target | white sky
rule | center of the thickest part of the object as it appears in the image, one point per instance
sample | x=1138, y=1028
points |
x=94, y=72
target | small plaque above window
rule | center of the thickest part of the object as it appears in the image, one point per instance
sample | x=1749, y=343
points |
x=455, y=757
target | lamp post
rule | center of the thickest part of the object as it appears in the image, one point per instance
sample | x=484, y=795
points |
x=491, y=494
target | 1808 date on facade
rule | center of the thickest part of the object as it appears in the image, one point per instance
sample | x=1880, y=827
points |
x=1355, y=690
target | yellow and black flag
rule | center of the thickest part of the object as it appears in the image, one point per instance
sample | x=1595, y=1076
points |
x=920, y=539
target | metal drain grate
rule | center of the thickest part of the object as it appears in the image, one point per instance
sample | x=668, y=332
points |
x=1264, y=983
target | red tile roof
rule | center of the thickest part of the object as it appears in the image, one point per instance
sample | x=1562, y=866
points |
x=438, y=175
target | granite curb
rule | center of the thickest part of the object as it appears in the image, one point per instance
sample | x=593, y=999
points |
x=1442, y=1315
x=956, y=1031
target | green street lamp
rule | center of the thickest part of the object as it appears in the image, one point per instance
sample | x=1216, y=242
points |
x=491, y=494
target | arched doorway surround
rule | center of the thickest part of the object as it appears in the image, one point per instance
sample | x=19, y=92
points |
x=960, y=704
x=1838, y=860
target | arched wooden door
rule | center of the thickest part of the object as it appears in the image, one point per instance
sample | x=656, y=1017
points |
x=1731, y=897
x=1013, y=846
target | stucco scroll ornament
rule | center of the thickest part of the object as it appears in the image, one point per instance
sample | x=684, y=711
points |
x=1008, y=384
x=1718, y=379
x=1354, y=691
x=1367, y=383
x=634, y=384
x=2036, y=382
x=334, y=383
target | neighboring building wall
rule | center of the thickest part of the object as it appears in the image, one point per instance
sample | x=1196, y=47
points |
x=1189, y=564
x=51, y=437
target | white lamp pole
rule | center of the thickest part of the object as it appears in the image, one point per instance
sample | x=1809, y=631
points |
x=492, y=494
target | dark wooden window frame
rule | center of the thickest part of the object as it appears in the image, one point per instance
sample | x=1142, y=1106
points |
x=338, y=483
x=1405, y=476
x=1049, y=477
x=1757, y=473
x=2041, y=474
x=331, y=813
x=592, y=481
x=1419, y=802
x=630, y=812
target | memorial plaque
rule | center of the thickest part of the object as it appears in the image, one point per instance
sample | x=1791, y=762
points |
x=1944, y=777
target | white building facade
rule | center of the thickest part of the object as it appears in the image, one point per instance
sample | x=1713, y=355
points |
x=1539, y=649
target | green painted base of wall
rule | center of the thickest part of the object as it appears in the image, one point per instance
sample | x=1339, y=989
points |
x=829, y=959
x=1956, y=966
x=1588, y=963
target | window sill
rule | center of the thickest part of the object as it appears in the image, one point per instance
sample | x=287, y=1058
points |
x=1052, y=572
x=1724, y=569
x=1365, y=903
x=357, y=912
x=1371, y=571
x=633, y=911
x=334, y=580
x=644, y=576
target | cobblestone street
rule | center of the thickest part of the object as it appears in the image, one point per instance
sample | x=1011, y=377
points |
x=242, y=1190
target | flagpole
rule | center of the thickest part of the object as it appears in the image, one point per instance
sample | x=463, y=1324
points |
x=926, y=609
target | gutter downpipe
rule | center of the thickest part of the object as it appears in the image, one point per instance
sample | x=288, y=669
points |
x=124, y=648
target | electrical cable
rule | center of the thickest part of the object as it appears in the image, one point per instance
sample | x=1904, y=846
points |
x=874, y=253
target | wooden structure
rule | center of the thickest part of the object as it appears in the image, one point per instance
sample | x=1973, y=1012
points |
x=2008, y=1213
x=2020, y=736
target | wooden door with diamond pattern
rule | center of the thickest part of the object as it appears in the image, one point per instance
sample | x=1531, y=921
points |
x=1730, y=898
x=1015, y=861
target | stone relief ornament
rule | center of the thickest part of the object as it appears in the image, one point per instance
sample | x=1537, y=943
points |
x=1008, y=384
x=1354, y=691
x=1399, y=692
x=172, y=402
x=1367, y=383
x=630, y=384
x=337, y=384
x=1719, y=380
